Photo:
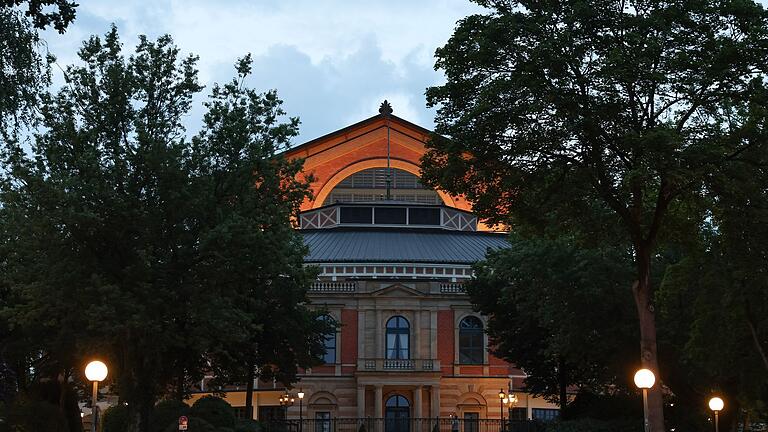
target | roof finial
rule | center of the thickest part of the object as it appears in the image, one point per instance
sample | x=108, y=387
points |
x=385, y=109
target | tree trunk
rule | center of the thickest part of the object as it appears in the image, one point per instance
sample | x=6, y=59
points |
x=647, y=319
x=249, y=390
x=562, y=377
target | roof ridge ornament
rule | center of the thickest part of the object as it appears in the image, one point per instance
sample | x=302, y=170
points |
x=385, y=109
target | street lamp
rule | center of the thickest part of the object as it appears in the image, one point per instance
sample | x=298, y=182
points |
x=716, y=404
x=300, y=394
x=95, y=371
x=644, y=379
x=285, y=401
x=503, y=399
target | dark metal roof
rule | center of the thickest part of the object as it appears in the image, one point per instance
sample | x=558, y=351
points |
x=368, y=245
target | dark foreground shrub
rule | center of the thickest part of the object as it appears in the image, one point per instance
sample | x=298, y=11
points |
x=215, y=411
x=115, y=419
x=167, y=412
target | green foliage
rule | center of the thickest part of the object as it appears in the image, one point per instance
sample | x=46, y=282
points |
x=589, y=425
x=115, y=419
x=167, y=412
x=540, y=296
x=247, y=425
x=30, y=415
x=173, y=237
x=611, y=123
x=214, y=410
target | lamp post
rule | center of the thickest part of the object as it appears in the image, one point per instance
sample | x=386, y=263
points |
x=503, y=401
x=95, y=371
x=644, y=379
x=300, y=394
x=716, y=404
x=285, y=401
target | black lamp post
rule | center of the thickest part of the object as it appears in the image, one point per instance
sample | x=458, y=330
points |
x=503, y=402
x=300, y=394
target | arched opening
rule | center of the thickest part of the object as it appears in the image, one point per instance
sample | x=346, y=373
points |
x=398, y=338
x=397, y=414
x=371, y=185
x=471, y=341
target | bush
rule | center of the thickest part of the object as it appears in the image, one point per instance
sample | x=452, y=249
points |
x=247, y=425
x=592, y=425
x=115, y=419
x=195, y=425
x=29, y=415
x=167, y=412
x=215, y=411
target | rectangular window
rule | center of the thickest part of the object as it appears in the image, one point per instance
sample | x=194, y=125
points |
x=390, y=215
x=545, y=414
x=271, y=413
x=518, y=414
x=423, y=216
x=323, y=421
x=357, y=215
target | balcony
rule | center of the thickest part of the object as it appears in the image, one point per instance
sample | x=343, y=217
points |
x=398, y=365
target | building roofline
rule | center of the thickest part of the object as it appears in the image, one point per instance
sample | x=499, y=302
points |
x=359, y=124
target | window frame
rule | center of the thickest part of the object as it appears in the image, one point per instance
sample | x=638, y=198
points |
x=472, y=354
x=399, y=352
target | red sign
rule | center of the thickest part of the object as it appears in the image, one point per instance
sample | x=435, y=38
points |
x=183, y=423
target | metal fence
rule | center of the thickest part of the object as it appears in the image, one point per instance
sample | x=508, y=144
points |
x=401, y=425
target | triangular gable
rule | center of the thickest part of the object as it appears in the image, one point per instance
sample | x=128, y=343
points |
x=396, y=290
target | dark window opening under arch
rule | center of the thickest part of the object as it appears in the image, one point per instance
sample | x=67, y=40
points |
x=471, y=341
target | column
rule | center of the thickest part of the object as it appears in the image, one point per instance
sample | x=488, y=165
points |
x=378, y=401
x=417, y=404
x=379, y=336
x=360, y=401
x=417, y=336
x=435, y=401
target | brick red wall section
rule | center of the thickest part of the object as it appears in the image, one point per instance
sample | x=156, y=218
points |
x=445, y=341
x=348, y=336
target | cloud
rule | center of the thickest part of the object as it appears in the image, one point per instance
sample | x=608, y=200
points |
x=332, y=62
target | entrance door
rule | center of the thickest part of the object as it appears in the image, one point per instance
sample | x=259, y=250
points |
x=397, y=415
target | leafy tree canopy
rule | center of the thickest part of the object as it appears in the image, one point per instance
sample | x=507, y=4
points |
x=607, y=117
x=169, y=258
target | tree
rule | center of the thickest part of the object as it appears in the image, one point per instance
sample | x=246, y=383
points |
x=249, y=193
x=24, y=73
x=547, y=301
x=168, y=258
x=713, y=303
x=627, y=105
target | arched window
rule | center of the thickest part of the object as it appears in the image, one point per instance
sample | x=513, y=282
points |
x=398, y=338
x=397, y=414
x=330, y=341
x=371, y=185
x=471, y=341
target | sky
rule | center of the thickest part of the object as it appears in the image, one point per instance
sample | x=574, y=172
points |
x=332, y=61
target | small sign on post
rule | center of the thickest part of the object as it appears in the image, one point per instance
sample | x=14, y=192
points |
x=183, y=423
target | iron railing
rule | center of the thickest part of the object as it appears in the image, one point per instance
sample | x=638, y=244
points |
x=401, y=425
